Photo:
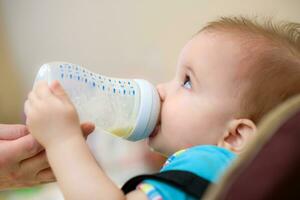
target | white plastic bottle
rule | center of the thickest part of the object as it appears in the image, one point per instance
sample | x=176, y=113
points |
x=127, y=108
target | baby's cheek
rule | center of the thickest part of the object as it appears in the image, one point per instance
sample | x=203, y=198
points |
x=173, y=119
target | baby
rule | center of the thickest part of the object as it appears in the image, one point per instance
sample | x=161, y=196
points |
x=229, y=75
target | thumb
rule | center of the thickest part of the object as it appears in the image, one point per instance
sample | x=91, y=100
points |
x=12, y=131
x=58, y=91
x=87, y=128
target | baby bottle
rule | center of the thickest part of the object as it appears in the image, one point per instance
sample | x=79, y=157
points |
x=127, y=108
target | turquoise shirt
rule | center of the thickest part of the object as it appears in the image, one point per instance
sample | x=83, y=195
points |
x=206, y=161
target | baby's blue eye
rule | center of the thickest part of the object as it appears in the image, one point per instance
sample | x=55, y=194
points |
x=187, y=83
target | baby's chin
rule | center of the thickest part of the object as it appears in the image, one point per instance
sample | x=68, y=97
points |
x=151, y=143
x=157, y=147
x=158, y=151
x=154, y=146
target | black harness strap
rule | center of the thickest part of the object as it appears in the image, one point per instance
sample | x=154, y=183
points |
x=186, y=181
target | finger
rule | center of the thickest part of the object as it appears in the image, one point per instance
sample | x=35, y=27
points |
x=27, y=108
x=23, y=148
x=38, y=83
x=31, y=104
x=45, y=176
x=87, y=128
x=35, y=164
x=42, y=89
x=12, y=131
x=32, y=98
x=58, y=91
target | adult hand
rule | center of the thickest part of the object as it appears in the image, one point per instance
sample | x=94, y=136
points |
x=23, y=161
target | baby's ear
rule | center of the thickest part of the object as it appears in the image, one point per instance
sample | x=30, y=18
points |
x=237, y=135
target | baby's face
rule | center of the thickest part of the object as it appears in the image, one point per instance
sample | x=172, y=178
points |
x=201, y=99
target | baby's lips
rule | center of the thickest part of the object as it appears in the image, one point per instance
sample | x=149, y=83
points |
x=155, y=131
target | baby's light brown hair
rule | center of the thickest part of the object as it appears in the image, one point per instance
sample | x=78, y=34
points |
x=273, y=50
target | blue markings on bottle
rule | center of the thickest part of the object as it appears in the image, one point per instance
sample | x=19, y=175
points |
x=94, y=84
x=61, y=66
x=103, y=87
x=85, y=80
x=124, y=92
x=62, y=75
x=114, y=90
x=71, y=76
x=78, y=78
x=133, y=92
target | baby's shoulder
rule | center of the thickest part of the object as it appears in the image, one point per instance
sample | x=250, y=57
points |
x=207, y=161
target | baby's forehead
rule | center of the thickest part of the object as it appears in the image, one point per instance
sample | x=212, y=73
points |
x=238, y=41
x=218, y=49
x=220, y=59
